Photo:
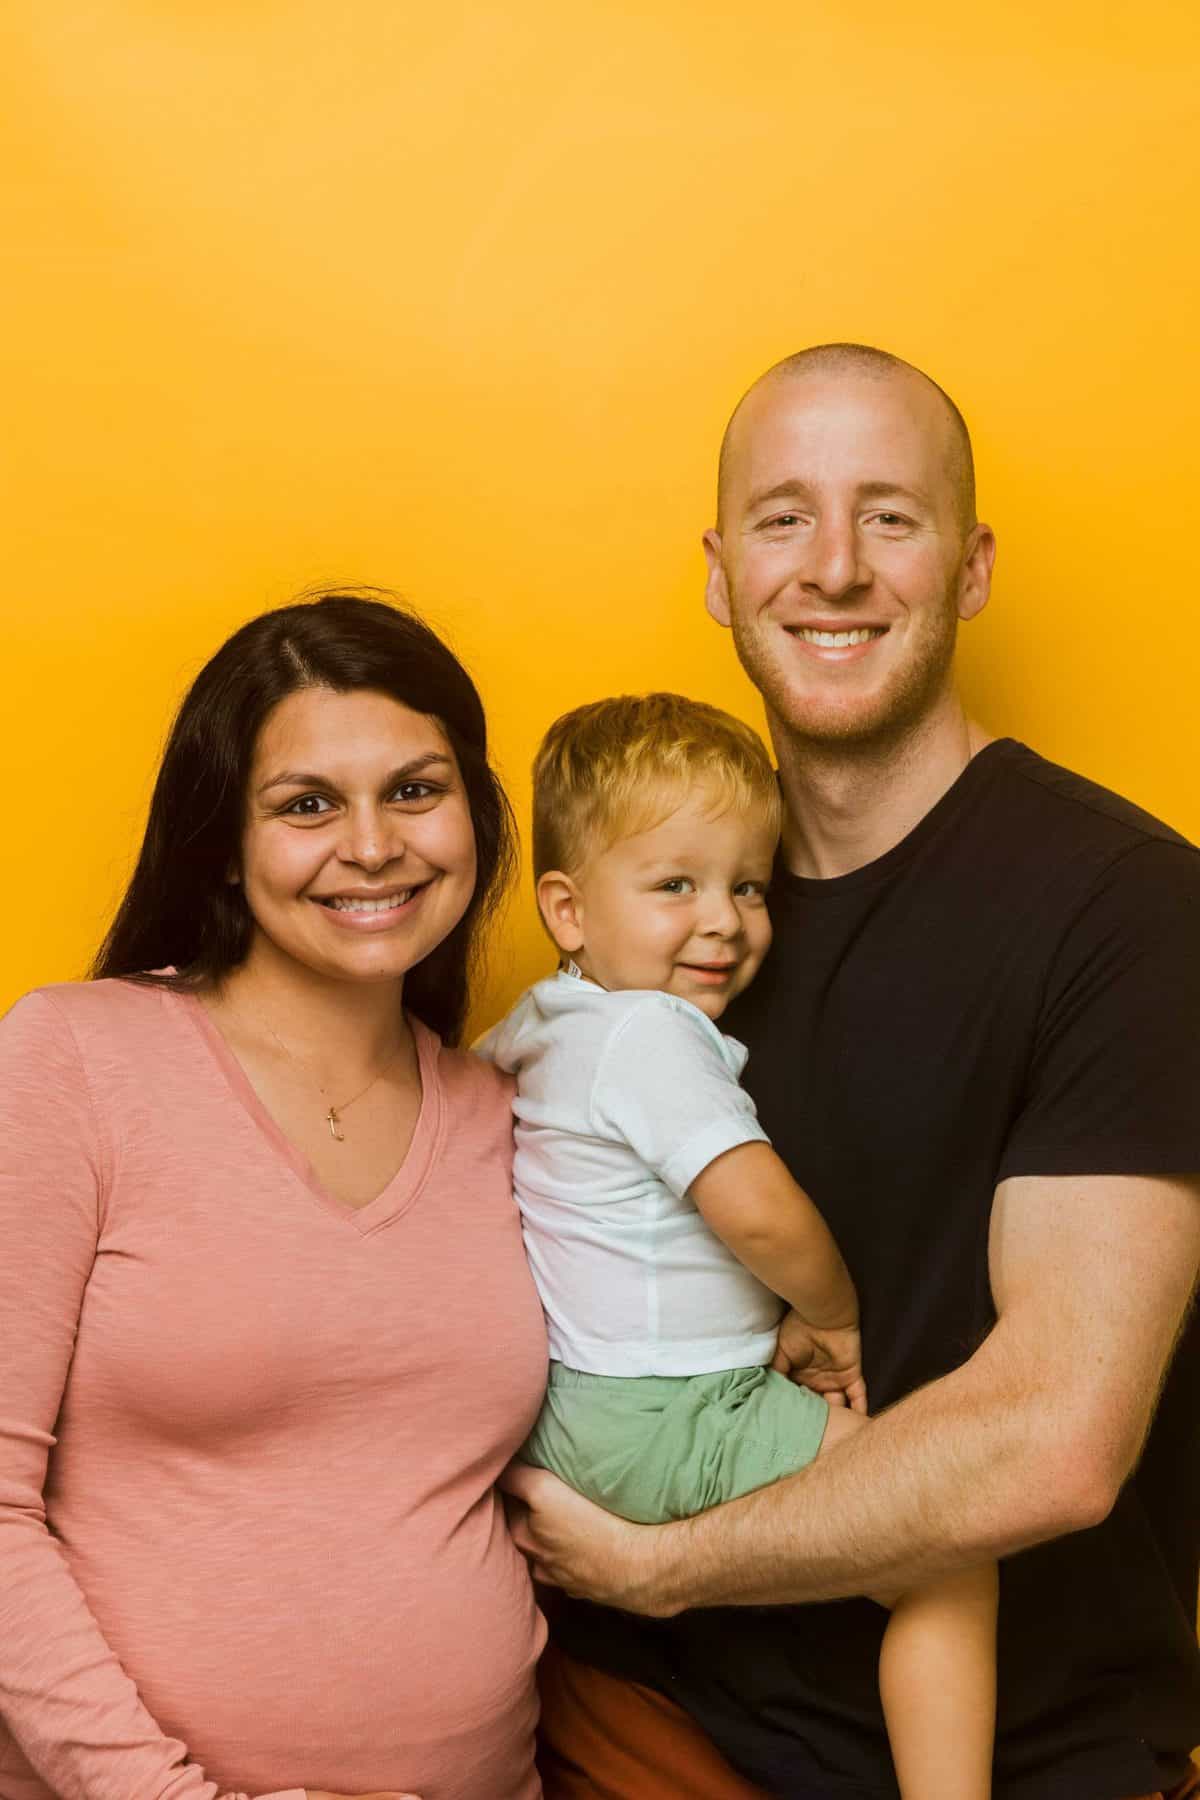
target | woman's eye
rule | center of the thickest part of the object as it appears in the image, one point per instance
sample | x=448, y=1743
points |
x=415, y=790
x=308, y=806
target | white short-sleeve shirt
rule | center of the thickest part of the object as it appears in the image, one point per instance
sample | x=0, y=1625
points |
x=622, y=1100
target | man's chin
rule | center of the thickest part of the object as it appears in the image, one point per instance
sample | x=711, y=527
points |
x=859, y=723
x=865, y=724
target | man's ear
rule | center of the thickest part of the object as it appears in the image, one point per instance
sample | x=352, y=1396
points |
x=561, y=906
x=716, y=589
x=975, y=573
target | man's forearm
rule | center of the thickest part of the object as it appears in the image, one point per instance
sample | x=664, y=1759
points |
x=1030, y=1439
x=949, y=1477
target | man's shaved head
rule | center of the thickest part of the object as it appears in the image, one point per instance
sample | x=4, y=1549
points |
x=881, y=365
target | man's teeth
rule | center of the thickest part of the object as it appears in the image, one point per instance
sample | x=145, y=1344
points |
x=838, y=640
x=337, y=904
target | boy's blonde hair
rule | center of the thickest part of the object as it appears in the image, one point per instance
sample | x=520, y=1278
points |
x=618, y=767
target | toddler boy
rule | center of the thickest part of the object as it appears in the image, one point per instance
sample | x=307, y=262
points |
x=661, y=1228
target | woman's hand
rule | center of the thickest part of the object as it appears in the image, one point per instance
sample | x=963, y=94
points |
x=825, y=1358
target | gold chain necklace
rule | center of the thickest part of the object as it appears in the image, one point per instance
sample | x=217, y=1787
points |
x=333, y=1118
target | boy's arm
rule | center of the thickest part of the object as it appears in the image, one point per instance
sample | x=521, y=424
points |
x=752, y=1203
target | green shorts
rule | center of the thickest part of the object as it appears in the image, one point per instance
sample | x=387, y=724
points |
x=659, y=1447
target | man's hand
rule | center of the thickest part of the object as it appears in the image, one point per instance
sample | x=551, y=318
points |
x=573, y=1544
x=826, y=1359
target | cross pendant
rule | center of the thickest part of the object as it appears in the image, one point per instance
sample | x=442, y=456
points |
x=335, y=1125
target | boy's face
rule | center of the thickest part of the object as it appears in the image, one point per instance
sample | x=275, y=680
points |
x=680, y=907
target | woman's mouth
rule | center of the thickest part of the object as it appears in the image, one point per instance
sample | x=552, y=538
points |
x=362, y=912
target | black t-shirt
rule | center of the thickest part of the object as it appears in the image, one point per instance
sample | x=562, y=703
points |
x=1012, y=990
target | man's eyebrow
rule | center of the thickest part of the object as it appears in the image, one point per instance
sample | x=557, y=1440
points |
x=307, y=778
x=783, y=490
x=866, y=490
x=882, y=490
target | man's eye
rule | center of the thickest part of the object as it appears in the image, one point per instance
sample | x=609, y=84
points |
x=308, y=806
x=782, y=519
x=891, y=519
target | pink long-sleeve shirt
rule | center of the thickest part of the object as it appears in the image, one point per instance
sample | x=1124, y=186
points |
x=248, y=1435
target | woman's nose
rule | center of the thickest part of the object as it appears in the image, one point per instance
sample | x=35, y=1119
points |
x=370, y=840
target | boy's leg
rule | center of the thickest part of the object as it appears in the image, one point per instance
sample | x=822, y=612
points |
x=937, y=1681
x=602, y=1738
x=937, y=1675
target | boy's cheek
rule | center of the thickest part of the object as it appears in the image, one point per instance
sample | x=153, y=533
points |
x=749, y=969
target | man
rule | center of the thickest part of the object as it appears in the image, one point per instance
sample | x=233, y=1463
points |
x=975, y=1043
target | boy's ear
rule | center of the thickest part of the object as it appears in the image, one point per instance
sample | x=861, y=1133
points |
x=561, y=906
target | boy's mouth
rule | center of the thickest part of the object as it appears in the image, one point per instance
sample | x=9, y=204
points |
x=711, y=972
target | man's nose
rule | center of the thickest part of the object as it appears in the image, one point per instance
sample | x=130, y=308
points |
x=833, y=562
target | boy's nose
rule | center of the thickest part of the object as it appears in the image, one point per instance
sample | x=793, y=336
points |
x=721, y=917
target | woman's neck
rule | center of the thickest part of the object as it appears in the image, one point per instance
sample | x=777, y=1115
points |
x=324, y=1021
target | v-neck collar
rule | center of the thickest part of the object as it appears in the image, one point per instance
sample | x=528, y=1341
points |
x=403, y=1187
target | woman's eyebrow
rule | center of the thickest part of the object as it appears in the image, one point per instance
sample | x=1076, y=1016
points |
x=308, y=778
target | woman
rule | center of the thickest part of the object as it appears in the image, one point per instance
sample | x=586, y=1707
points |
x=266, y=1328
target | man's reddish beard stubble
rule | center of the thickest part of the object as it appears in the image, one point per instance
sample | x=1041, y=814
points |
x=906, y=696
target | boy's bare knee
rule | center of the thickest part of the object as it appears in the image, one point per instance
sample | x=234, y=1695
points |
x=842, y=1424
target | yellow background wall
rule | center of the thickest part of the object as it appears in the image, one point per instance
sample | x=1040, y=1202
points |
x=456, y=298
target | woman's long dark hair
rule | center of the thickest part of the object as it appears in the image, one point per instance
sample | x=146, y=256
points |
x=180, y=908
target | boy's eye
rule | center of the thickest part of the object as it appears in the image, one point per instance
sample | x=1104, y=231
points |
x=750, y=890
x=675, y=884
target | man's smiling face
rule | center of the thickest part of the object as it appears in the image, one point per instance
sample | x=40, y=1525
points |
x=845, y=554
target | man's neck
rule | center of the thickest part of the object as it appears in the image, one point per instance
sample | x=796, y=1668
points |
x=847, y=804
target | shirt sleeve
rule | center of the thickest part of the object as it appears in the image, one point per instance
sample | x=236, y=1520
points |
x=65, y=1698
x=664, y=1087
x=1114, y=1077
x=498, y=1045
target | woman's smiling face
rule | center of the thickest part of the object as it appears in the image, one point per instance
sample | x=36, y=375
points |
x=358, y=852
